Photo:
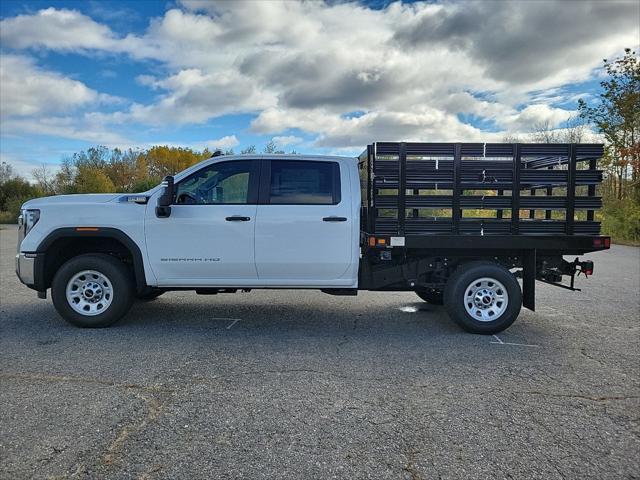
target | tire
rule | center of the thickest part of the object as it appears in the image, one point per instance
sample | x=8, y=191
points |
x=434, y=297
x=483, y=297
x=83, y=279
x=149, y=295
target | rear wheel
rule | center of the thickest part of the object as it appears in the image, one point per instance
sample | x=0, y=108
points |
x=483, y=297
x=93, y=290
x=431, y=295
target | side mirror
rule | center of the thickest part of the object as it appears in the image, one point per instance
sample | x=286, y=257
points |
x=163, y=208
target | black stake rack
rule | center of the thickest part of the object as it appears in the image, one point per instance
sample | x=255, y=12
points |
x=519, y=189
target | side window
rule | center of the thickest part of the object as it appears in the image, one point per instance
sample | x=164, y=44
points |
x=304, y=183
x=218, y=184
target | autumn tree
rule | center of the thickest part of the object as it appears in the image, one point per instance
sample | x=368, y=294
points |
x=93, y=180
x=124, y=170
x=164, y=160
x=616, y=115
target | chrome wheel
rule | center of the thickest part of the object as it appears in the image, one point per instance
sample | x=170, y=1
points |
x=486, y=299
x=89, y=292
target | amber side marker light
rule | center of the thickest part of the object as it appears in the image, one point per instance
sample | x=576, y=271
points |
x=382, y=241
x=87, y=229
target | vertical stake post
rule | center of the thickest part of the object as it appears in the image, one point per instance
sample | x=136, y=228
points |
x=457, y=163
x=402, y=188
x=515, y=190
x=571, y=191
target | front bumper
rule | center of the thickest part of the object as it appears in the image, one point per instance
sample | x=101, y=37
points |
x=26, y=268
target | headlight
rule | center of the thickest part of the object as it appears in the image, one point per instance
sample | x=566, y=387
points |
x=28, y=219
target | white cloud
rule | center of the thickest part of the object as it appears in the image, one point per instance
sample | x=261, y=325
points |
x=73, y=128
x=28, y=90
x=35, y=101
x=194, y=96
x=408, y=70
x=224, y=143
x=283, y=141
x=57, y=30
x=533, y=115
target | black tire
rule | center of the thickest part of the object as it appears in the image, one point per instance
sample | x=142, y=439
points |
x=149, y=295
x=456, y=296
x=434, y=297
x=122, y=289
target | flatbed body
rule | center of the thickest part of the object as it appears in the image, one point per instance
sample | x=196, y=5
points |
x=523, y=205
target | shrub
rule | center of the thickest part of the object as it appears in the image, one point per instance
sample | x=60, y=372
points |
x=621, y=220
x=144, y=185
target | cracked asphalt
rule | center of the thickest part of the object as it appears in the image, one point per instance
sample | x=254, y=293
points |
x=299, y=384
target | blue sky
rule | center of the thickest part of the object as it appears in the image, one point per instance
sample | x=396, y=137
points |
x=311, y=76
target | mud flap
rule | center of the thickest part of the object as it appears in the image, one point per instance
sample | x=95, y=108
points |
x=529, y=280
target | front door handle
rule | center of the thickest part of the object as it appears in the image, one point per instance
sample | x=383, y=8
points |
x=334, y=219
x=237, y=218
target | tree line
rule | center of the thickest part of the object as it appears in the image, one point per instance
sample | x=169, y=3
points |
x=102, y=170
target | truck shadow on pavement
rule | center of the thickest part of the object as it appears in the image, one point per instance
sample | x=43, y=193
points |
x=260, y=319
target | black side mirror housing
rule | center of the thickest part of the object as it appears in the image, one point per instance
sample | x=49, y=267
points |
x=163, y=208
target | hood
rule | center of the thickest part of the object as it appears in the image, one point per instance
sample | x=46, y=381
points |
x=72, y=199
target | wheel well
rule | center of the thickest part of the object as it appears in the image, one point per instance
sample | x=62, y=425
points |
x=63, y=249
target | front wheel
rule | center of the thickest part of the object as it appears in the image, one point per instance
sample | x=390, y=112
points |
x=483, y=297
x=93, y=290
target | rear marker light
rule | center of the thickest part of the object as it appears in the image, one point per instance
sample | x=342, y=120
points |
x=87, y=229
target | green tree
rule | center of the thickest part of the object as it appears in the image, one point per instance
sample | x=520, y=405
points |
x=64, y=182
x=13, y=193
x=6, y=172
x=45, y=180
x=616, y=115
x=271, y=147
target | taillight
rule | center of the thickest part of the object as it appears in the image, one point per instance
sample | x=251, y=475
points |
x=602, y=242
x=586, y=267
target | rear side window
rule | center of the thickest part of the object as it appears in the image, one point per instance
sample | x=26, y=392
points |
x=304, y=183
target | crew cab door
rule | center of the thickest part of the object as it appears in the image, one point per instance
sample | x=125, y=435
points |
x=208, y=240
x=304, y=224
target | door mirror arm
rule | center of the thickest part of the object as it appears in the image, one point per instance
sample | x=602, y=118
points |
x=163, y=207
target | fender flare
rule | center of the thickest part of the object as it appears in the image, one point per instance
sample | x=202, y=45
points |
x=106, y=232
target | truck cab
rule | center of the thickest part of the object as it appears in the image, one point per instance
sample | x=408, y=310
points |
x=285, y=221
x=232, y=222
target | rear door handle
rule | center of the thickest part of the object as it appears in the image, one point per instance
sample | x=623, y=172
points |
x=334, y=219
x=237, y=218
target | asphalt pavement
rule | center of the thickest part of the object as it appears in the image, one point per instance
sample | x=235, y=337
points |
x=299, y=384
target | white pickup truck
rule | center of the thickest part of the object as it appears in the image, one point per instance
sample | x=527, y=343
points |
x=282, y=221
